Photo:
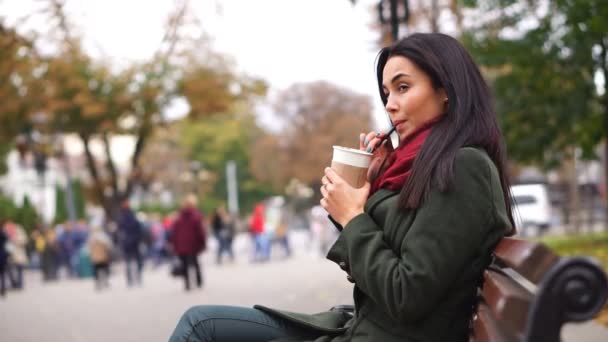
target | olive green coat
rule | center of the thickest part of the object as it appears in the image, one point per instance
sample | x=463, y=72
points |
x=416, y=272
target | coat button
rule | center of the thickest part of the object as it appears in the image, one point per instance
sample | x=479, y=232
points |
x=342, y=265
x=351, y=279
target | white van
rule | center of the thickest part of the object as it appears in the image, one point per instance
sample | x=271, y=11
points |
x=531, y=207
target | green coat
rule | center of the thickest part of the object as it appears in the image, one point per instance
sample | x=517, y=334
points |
x=416, y=272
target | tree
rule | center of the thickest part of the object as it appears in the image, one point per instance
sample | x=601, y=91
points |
x=544, y=77
x=314, y=117
x=394, y=16
x=27, y=216
x=19, y=89
x=84, y=96
x=61, y=210
x=544, y=74
x=8, y=210
x=222, y=138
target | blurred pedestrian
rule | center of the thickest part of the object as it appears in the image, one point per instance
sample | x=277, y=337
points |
x=50, y=253
x=68, y=239
x=323, y=232
x=3, y=260
x=18, y=259
x=256, y=229
x=100, y=249
x=159, y=240
x=131, y=233
x=223, y=230
x=275, y=225
x=189, y=239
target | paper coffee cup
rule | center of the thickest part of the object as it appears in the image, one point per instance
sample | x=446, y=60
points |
x=351, y=164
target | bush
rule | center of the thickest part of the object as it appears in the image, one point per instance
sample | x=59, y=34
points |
x=594, y=245
x=26, y=216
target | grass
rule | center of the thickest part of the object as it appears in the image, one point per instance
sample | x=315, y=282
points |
x=594, y=245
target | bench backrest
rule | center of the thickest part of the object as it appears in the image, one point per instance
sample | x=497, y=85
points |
x=529, y=293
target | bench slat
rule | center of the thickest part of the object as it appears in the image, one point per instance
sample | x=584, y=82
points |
x=528, y=258
x=508, y=301
x=487, y=329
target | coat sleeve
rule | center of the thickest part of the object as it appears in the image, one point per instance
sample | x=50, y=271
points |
x=444, y=236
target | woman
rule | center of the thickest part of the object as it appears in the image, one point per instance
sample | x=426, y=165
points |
x=417, y=237
x=223, y=231
x=261, y=250
x=100, y=249
x=4, y=255
x=189, y=239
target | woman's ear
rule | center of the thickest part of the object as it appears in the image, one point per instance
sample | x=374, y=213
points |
x=443, y=96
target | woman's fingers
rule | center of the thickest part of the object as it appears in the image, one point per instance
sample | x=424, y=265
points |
x=362, y=141
x=332, y=177
x=323, y=191
x=324, y=204
x=369, y=142
x=377, y=142
x=324, y=180
x=374, y=142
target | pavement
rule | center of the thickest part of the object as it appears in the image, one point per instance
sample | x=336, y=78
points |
x=73, y=311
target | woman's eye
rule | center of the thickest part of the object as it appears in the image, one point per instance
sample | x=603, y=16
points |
x=403, y=87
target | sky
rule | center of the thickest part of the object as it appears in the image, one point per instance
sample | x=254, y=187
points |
x=281, y=41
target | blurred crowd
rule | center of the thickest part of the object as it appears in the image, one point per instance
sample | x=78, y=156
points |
x=86, y=249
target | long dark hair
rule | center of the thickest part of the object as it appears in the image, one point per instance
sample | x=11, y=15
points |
x=470, y=119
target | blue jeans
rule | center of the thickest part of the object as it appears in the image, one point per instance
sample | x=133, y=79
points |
x=133, y=255
x=211, y=323
x=262, y=247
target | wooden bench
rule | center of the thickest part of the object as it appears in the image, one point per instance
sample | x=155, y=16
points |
x=529, y=292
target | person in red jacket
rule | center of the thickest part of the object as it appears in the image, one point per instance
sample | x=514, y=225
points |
x=256, y=228
x=188, y=239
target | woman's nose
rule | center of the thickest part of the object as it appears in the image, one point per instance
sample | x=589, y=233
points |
x=391, y=106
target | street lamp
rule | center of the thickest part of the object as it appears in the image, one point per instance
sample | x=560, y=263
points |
x=388, y=13
x=394, y=17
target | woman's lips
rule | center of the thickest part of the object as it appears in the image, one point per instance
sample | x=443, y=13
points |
x=398, y=122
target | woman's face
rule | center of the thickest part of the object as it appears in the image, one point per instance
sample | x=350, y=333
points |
x=411, y=98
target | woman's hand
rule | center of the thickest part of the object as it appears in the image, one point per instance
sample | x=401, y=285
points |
x=369, y=142
x=342, y=201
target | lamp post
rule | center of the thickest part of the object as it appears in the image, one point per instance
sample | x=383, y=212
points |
x=394, y=17
x=389, y=12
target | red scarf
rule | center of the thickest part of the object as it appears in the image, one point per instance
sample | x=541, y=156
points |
x=395, y=166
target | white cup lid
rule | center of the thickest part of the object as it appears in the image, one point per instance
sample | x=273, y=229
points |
x=351, y=156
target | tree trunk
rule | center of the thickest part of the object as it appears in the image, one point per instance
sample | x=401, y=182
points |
x=142, y=139
x=105, y=202
x=434, y=17
x=110, y=163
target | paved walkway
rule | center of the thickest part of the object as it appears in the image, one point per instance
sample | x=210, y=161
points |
x=72, y=311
